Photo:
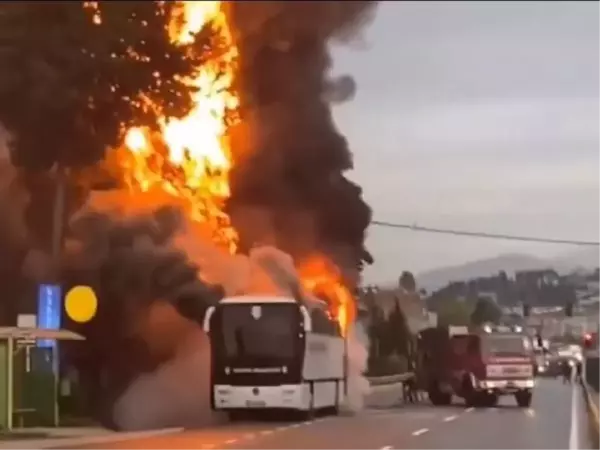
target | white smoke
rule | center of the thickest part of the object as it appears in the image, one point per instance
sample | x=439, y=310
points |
x=177, y=394
x=358, y=384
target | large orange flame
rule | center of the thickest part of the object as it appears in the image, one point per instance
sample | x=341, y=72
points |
x=192, y=159
x=322, y=278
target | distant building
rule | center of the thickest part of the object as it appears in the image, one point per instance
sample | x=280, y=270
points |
x=544, y=288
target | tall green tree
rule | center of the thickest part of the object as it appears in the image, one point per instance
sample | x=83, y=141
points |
x=407, y=281
x=486, y=311
x=398, y=331
x=454, y=312
x=75, y=75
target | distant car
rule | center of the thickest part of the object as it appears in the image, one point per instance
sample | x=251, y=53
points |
x=542, y=365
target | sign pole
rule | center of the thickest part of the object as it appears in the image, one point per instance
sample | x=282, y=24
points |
x=10, y=383
x=57, y=244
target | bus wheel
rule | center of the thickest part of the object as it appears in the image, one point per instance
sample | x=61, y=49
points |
x=335, y=410
x=523, y=398
x=310, y=413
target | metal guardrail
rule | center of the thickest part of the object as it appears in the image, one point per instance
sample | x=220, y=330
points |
x=389, y=379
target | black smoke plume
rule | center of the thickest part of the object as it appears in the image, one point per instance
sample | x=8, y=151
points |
x=132, y=266
x=288, y=186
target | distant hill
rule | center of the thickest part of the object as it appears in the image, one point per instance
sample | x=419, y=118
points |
x=510, y=263
x=586, y=258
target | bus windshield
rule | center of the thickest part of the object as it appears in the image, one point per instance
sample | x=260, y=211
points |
x=263, y=331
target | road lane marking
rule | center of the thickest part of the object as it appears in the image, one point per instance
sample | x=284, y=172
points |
x=574, y=433
x=387, y=447
x=469, y=409
x=249, y=436
x=449, y=418
x=231, y=441
x=266, y=432
x=420, y=432
x=530, y=412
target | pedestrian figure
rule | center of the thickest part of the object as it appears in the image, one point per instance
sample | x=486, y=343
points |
x=409, y=390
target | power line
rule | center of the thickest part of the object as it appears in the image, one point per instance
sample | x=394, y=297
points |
x=509, y=237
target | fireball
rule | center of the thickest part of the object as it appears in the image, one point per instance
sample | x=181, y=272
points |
x=190, y=158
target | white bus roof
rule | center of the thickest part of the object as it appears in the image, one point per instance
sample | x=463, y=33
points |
x=258, y=299
x=310, y=300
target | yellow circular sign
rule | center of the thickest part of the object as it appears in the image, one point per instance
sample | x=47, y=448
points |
x=81, y=304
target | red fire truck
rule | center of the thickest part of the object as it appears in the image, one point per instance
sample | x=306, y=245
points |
x=478, y=365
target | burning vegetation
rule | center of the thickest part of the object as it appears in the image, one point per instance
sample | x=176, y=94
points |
x=229, y=119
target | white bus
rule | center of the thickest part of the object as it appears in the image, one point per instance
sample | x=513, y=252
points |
x=275, y=353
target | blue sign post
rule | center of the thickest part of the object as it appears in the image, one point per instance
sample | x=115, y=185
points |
x=49, y=310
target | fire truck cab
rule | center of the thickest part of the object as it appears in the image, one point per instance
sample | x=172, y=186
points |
x=478, y=365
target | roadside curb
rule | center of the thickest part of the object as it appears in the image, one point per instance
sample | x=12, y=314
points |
x=593, y=416
x=64, y=442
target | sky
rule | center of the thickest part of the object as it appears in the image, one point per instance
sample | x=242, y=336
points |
x=480, y=116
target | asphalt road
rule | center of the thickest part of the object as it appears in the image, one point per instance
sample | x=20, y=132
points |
x=386, y=425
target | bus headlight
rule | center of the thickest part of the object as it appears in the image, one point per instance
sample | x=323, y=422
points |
x=284, y=369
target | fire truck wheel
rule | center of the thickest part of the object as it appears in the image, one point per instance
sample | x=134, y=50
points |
x=437, y=397
x=491, y=400
x=524, y=399
x=472, y=397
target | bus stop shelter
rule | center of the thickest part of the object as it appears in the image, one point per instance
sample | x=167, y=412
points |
x=29, y=375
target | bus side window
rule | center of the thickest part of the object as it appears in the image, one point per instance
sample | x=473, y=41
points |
x=337, y=330
x=321, y=323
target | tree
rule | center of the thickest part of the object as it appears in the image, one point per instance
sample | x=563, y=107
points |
x=72, y=78
x=397, y=331
x=75, y=75
x=454, y=312
x=376, y=333
x=407, y=282
x=485, y=311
